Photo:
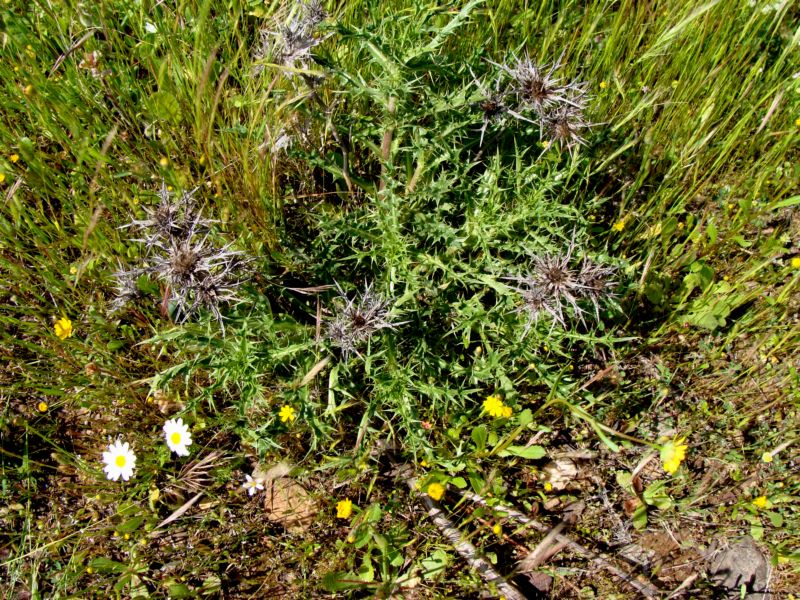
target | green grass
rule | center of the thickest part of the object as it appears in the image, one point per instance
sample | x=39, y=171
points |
x=686, y=187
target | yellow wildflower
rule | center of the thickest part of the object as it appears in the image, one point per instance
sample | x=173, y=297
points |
x=63, y=328
x=344, y=509
x=14, y=158
x=767, y=457
x=163, y=161
x=797, y=121
x=42, y=407
x=2, y=177
x=27, y=90
x=762, y=502
x=672, y=454
x=619, y=225
x=493, y=405
x=286, y=414
x=507, y=411
x=497, y=529
x=796, y=262
x=436, y=491
x=603, y=85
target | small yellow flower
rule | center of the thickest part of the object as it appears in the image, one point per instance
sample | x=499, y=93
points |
x=73, y=270
x=497, y=529
x=797, y=122
x=344, y=509
x=63, y=328
x=507, y=411
x=2, y=177
x=493, y=405
x=796, y=262
x=762, y=502
x=603, y=85
x=675, y=83
x=672, y=454
x=286, y=414
x=351, y=539
x=436, y=491
x=27, y=90
x=548, y=487
x=767, y=457
x=619, y=225
x=423, y=463
x=163, y=161
x=42, y=407
x=89, y=570
x=14, y=158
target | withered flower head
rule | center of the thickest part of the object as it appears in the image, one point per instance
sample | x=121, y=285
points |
x=357, y=319
x=564, y=125
x=597, y=283
x=290, y=45
x=174, y=218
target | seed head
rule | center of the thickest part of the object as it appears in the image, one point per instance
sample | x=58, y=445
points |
x=550, y=286
x=564, y=125
x=126, y=288
x=597, y=283
x=357, y=319
x=200, y=275
x=290, y=45
x=175, y=218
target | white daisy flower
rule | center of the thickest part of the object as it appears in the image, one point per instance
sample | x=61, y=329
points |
x=120, y=461
x=253, y=485
x=178, y=436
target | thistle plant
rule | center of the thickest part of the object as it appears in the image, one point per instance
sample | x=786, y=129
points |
x=554, y=104
x=290, y=45
x=175, y=218
x=552, y=286
x=198, y=275
x=357, y=319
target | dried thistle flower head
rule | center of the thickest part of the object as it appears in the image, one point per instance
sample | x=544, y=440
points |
x=492, y=105
x=564, y=124
x=200, y=275
x=174, y=218
x=550, y=286
x=127, y=289
x=290, y=45
x=357, y=319
x=197, y=273
x=537, y=87
x=597, y=283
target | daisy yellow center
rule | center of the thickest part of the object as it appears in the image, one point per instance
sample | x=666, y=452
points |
x=120, y=461
x=176, y=438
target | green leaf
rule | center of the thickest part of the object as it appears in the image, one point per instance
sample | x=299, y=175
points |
x=179, y=590
x=435, y=564
x=787, y=202
x=165, y=107
x=640, y=517
x=106, y=565
x=775, y=518
x=479, y=436
x=459, y=482
x=130, y=525
x=529, y=452
x=341, y=581
x=525, y=418
x=757, y=532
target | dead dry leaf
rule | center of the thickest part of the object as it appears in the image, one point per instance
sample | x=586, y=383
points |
x=289, y=504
